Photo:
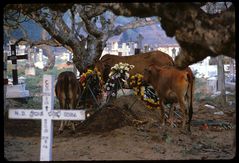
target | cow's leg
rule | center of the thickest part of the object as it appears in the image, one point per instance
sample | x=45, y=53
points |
x=183, y=111
x=62, y=105
x=162, y=119
x=171, y=114
x=72, y=105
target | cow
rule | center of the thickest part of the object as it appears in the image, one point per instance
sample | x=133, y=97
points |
x=140, y=61
x=172, y=86
x=67, y=90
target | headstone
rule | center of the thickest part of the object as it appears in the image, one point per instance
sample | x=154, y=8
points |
x=30, y=67
x=136, y=51
x=173, y=53
x=46, y=115
x=5, y=69
x=14, y=59
x=212, y=85
x=16, y=90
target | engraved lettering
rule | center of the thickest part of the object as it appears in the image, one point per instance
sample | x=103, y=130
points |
x=23, y=113
x=67, y=114
x=16, y=113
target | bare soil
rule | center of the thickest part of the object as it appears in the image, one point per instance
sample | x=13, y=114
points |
x=124, y=130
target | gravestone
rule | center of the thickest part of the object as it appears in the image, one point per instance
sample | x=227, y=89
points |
x=46, y=115
x=136, y=51
x=212, y=85
x=14, y=59
x=16, y=90
x=30, y=67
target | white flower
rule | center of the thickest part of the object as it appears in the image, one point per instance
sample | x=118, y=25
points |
x=108, y=88
x=111, y=73
x=127, y=75
x=113, y=94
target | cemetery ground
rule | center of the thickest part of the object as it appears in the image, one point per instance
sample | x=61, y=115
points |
x=122, y=131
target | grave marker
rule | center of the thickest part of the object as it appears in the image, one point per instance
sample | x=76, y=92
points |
x=14, y=59
x=47, y=114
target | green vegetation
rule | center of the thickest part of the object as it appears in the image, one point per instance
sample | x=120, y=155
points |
x=34, y=85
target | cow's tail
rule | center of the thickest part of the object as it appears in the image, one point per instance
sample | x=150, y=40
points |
x=191, y=79
x=66, y=90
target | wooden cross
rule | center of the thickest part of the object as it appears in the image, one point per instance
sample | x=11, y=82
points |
x=47, y=114
x=14, y=59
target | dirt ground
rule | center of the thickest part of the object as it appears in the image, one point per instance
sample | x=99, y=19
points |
x=119, y=133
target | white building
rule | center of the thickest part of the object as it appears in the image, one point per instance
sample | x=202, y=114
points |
x=123, y=49
x=170, y=49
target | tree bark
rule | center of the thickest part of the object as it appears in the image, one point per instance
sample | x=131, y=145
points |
x=221, y=79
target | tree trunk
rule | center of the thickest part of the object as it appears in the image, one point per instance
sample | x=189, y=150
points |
x=221, y=79
x=232, y=71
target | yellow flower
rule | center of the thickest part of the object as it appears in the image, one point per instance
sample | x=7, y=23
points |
x=89, y=72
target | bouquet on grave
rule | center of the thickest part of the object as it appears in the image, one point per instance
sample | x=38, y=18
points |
x=146, y=93
x=91, y=79
x=118, y=75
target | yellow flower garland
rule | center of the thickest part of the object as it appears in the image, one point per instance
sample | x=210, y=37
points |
x=136, y=83
x=88, y=72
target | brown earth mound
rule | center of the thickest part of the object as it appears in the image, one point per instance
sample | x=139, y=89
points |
x=123, y=111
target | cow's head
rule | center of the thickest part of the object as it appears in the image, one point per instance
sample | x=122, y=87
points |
x=150, y=73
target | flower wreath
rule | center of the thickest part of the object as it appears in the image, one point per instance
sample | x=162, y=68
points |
x=146, y=93
x=119, y=74
x=85, y=77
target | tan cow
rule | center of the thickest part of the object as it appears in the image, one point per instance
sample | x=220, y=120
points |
x=140, y=61
x=67, y=91
x=172, y=85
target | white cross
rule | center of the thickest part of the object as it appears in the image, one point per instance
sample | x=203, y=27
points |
x=47, y=114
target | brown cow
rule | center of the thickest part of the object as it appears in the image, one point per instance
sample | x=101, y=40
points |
x=140, y=61
x=172, y=85
x=67, y=91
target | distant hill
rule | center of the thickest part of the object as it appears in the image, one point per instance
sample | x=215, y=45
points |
x=153, y=34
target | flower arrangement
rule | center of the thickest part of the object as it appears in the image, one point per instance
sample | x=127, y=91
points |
x=92, y=84
x=118, y=75
x=85, y=76
x=146, y=93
